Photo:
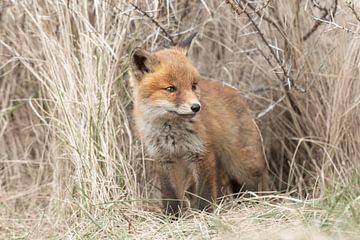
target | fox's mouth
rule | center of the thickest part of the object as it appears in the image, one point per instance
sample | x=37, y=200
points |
x=190, y=115
x=187, y=115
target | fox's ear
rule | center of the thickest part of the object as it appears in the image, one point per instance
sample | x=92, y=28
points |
x=142, y=62
x=186, y=43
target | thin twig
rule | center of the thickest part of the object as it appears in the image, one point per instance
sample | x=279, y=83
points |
x=269, y=62
x=325, y=16
x=351, y=5
x=269, y=108
x=338, y=26
x=262, y=7
x=155, y=22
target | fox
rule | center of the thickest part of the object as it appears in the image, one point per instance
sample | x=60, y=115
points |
x=199, y=130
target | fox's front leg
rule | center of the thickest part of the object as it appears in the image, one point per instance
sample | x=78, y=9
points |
x=206, y=182
x=171, y=194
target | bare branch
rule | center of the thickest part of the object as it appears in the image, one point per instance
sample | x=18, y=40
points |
x=325, y=16
x=155, y=22
x=287, y=81
x=332, y=23
x=267, y=19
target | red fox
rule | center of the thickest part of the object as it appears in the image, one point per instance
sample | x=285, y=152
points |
x=197, y=129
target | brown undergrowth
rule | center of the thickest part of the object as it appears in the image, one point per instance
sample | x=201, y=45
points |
x=71, y=167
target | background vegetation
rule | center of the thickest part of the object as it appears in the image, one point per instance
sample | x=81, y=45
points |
x=70, y=166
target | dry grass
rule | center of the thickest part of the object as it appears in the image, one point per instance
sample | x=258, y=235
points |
x=71, y=168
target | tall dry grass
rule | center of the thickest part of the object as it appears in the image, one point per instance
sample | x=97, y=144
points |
x=71, y=167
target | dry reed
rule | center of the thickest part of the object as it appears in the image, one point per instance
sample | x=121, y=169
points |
x=70, y=166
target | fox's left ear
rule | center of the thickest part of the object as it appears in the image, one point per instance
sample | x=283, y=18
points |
x=186, y=43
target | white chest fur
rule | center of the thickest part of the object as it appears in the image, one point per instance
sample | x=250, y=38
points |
x=171, y=139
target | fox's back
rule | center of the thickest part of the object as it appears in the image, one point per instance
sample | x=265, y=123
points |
x=232, y=131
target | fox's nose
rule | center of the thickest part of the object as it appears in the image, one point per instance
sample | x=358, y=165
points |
x=195, y=107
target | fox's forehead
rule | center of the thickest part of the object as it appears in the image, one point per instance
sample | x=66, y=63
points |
x=175, y=64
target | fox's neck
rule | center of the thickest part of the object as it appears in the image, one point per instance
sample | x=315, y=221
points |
x=166, y=137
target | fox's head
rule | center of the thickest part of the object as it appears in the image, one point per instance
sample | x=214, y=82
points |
x=165, y=82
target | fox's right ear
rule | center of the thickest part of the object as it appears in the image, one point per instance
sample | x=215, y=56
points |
x=185, y=44
x=141, y=62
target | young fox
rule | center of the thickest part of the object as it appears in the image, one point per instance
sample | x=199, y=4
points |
x=196, y=128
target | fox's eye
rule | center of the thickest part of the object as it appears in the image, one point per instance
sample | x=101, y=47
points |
x=170, y=89
x=194, y=86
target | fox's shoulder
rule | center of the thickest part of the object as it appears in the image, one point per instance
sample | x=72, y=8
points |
x=211, y=89
x=206, y=85
x=221, y=95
